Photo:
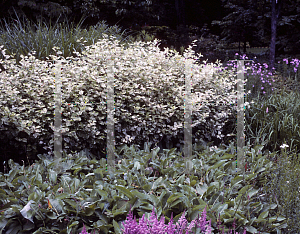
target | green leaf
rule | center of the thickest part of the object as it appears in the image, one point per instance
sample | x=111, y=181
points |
x=74, y=223
x=237, y=179
x=263, y=215
x=125, y=191
x=116, y=227
x=33, y=196
x=53, y=176
x=72, y=203
x=174, y=197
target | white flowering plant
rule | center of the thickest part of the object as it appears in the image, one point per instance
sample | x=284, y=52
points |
x=143, y=75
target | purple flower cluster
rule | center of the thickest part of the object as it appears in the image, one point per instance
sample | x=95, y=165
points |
x=84, y=230
x=131, y=227
x=158, y=227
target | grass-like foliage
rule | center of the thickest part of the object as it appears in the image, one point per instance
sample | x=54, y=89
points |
x=21, y=38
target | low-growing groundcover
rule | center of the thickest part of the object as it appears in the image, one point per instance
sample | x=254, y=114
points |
x=85, y=192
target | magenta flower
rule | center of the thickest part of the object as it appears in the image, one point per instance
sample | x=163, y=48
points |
x=130, y=226
x=84, y=230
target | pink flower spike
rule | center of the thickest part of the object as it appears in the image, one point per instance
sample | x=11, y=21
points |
x=84, y=230
x=267, y=110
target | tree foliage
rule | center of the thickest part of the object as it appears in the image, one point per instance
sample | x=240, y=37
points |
x=251, y=21
x=243, y=22
x=175, y=22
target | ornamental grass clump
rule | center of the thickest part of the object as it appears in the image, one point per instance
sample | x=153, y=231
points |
x=22, y=38
x=275, y=119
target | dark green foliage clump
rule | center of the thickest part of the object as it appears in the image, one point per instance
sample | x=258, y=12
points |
x=82, y=191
